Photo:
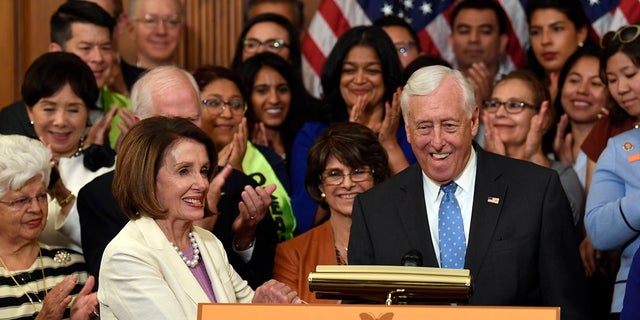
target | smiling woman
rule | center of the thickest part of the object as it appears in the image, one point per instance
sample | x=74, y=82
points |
x=38, y=279
x=345, y=160
x=59, y=89
x=161, y=265
x=360, y=81
x=515, y=118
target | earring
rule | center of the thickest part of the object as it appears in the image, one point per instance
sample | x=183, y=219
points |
x=31, y=122
x=323, y=195
x=580, y=44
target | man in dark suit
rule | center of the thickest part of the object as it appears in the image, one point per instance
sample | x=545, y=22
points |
x=249, y=236
x=518, y=238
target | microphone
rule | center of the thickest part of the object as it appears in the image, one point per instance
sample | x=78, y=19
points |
x=413, y=258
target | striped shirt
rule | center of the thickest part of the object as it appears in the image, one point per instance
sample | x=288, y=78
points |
x=58, y=263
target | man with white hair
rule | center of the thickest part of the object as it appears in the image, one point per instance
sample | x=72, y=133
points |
x=171, y=91
x=508, y=221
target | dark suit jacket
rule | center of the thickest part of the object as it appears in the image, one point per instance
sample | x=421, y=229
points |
x=101, y=219
x=522, y=251
x=15, y=120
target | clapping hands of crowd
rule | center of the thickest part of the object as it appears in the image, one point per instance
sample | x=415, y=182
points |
x=482, y=79
x=233, y=153
x=84, y=306
x=532, y=150
x=386, y=130
x=253, y=208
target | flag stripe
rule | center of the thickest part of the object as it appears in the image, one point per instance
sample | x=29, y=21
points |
x=431, y=20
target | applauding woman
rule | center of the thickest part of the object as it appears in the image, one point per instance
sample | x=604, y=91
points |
x=38, y=281
x=160, y=266
x=516, y=118
x=360, y=81
x=346, y=160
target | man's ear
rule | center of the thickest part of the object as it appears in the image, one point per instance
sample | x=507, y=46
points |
x=504, y=41
x=54, y=47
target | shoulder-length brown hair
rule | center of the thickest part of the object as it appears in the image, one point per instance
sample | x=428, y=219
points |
x=139, y=160
x=352, y=144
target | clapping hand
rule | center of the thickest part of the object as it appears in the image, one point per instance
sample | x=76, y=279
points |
x=233, y=153
x=59, y=298
x=259, y=136
x=355, y=114
x=481, y=79
x=563, y=144
x=253, y=208
x=99, y=132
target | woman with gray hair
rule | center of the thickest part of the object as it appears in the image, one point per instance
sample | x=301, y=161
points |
x=37, y=280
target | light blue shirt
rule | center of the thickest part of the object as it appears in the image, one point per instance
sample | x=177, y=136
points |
x=613, y=204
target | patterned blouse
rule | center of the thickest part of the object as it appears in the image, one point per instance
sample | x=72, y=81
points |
x=22, y=292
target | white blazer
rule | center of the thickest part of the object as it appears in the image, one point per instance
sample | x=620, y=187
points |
x=142, y=276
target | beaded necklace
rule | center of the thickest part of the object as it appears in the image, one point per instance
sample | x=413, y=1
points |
x=44, y=281
x=196, y=252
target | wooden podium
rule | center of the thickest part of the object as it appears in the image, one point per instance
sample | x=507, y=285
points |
x=221, y=311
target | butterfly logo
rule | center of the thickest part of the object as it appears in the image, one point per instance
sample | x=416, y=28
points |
x=369, y=316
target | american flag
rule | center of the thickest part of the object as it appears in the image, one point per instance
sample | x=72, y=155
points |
x=431, y=20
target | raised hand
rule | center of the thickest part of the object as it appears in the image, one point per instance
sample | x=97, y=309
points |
x=482, y=80
x=533, y=143
x=259, y=135
x=492, y=141
x=233, y=153
x=563, y=144
x=355, y=114
x=128, y=121
x=253, y=208
x=58, y=299
x=387, y=133
x=99, y=132
x=85, y=305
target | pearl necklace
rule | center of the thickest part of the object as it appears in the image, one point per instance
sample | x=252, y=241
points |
x=44, y=282
x=196, y=252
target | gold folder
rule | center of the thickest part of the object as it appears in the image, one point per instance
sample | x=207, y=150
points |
x=391, y=284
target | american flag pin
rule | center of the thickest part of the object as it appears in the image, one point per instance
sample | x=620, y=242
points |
x=493, y=200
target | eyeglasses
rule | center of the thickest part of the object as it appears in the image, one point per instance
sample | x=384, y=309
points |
x=511, y=106
x=336, y=177
x=23, y=202
x=404, y=47
x=273, y=45
x=152, y=21
x=236, y=106
x=625, y=34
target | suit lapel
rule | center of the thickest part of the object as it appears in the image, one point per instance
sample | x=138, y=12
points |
x=417, y=224
x=488, y=198
x=158, y=241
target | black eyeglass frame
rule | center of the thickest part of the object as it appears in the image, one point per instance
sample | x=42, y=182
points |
x=516, y=107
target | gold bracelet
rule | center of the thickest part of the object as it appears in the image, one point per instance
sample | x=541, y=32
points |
x=66, y=200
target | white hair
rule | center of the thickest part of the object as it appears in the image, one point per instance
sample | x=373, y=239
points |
x=133, y=6
x=21, y=159
x=158, y=79
x=426, y=80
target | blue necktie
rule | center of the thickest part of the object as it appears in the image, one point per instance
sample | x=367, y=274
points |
x=451, y=229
